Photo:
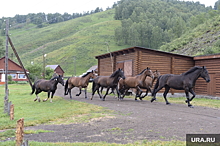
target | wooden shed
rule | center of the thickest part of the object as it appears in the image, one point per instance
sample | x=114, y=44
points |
x=134, y=59
x=57, y=69
x=212, y=63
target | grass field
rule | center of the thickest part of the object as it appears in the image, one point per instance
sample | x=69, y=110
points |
x=65, y=111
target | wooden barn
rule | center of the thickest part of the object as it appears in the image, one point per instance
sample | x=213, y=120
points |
x=134, y=59
x=212, y=63
x=57, y=69
x=14, y=70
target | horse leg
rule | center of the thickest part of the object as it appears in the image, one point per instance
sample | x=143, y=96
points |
x=36, y=93
x=118, y=93
x=100, y=95
x=80, y=91
x=105, y=94
x=93, y=92
x=155, y=92
x=48, y=96
x=138, y=89
x=52, y=96
x=86, y=92
x=167, y=88
x=193, y=93
x=69, y=91
x=188, y=99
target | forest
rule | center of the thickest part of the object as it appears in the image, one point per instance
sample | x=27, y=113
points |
x=152, y=23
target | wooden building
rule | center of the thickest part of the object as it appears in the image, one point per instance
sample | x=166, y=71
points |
x=212, y=63
x=57, y=69
x=134, y=59
x=14, y=70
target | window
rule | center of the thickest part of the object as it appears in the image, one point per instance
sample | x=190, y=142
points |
x=13, y=76
x=21, y=76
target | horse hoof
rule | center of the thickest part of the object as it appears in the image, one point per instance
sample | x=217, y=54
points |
x=190, y=106
x=167, y=103
x=152, y=99
x=35, y=99
x=77, y=94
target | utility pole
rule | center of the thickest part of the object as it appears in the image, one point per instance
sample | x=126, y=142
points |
x=74, y=58
x=6, y=68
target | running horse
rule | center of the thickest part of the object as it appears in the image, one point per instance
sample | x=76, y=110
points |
x=80, y=82
x=46, y=86
x=134, y=82
x=148, y=83
x=185, y=81
x=107, y=82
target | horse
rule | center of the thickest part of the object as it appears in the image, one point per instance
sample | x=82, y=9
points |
x=134, y=82
x=148, y=83
x=185, y=81
x=80, y=82
x=46, y=86
x=107, y=82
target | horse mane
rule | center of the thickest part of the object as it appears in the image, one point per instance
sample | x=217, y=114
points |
x=86, y=74
x=191, y=70
x=142, y=71
x=56, y=77
x=115, y=73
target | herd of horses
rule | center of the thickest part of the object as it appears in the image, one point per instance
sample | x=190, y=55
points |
x=117, y=81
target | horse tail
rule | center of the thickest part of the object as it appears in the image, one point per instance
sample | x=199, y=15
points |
x=66, y=86
x=33, y=89
x=156, y=86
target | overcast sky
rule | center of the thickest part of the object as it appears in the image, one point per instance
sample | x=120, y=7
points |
x=9, y=8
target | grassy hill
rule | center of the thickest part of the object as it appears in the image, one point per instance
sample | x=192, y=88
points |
x=204, y=39
x=91, y=35
x=84, y=37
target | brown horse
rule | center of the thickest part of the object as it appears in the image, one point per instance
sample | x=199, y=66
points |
x=149, y=82
x=80, y=82
x=107, y=82
x=134, y=82
x=46, y=86
x=185, y=81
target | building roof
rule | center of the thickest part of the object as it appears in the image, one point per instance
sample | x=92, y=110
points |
x=54, y=67
x=2, y=68
x=132, y=49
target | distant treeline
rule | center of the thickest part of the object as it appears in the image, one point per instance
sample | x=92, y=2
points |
x=42, y=19
x=152, y=23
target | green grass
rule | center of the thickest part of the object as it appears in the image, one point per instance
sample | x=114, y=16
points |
x=45, y=112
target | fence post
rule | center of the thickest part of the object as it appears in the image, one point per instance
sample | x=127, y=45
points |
x=19, y=132
x=12, y=112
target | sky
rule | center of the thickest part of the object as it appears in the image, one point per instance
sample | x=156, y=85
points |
x=9, y=8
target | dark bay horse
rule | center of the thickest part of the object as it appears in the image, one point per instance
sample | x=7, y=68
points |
x=134, y=82
x=80, y=82
x=185, y=81
x=107, y=82
x=46, y=86
x=148, y=83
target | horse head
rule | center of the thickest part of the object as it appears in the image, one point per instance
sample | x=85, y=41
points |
x=205, y=74
x=118, y=74
x=156, y=74
x=148, y=72
x=59, y=79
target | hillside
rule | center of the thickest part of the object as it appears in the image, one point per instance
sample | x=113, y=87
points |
x=204, y=39
x=83, y=37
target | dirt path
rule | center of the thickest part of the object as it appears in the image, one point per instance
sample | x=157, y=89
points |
x=136, y=120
